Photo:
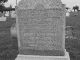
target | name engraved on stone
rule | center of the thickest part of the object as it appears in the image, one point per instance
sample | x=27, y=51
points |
x=46, y=13
x=38, y=30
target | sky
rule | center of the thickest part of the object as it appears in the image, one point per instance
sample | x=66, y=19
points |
x=69, y=3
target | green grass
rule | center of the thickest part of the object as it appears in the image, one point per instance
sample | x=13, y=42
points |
x=9, y=46
x=73, y=45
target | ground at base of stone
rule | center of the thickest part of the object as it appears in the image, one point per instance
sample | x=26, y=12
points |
x=36, y=57
x=41, y=52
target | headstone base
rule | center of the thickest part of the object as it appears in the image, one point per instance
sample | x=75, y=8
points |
x=34, y=57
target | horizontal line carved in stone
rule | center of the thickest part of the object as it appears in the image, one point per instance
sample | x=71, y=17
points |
x=39, y=13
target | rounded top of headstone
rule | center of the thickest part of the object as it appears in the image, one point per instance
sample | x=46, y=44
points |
x=32, y=4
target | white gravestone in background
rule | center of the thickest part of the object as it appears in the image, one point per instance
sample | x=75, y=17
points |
x=2, y=18
x=13, y=14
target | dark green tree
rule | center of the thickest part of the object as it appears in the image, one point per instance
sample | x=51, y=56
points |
x=67, y=8
x=2, y=7
x=76, y=8
x=3, y=1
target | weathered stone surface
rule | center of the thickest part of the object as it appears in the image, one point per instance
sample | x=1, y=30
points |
x=32, y=4
x=34, y=57
x=40, y=27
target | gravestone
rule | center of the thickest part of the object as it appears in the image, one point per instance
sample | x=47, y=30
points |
x=2, y=18
x=13, y=15
x=41, y=27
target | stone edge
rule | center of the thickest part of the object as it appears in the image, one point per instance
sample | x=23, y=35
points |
x=36, y=57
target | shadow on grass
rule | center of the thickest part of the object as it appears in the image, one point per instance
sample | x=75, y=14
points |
x=8, y=45
x=73, y=47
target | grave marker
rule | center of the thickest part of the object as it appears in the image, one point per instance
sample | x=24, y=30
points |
x=41, y=27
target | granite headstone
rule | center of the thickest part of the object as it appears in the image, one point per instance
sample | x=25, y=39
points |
x=41, y=27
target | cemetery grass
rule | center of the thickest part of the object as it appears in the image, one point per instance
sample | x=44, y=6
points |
x=9, y=45
x=73, y=45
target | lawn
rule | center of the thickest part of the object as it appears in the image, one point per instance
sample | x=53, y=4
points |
x=73, y=45
x=9, y=46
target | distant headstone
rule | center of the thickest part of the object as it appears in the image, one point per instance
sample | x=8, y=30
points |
x=7, y=14
x=13, y=15
x=41, y=27
x=2, y=18
x=67, y=14
x=13, y=31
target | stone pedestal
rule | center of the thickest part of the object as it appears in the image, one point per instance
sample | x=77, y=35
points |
x=37, y=57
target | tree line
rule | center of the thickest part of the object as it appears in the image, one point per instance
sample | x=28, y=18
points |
x=75, y=8
x=3, y=8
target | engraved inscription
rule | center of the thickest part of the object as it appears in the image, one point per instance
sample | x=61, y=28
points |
x=39, y=30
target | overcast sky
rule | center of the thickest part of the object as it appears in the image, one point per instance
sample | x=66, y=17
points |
x=69, y=3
